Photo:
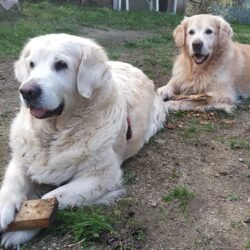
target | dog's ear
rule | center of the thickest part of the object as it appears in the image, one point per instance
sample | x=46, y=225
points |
x=92, y=71
x=180, y=33
x=225, y=31
x=20, y=66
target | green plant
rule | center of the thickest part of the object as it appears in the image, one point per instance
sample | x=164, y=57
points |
x=85, y=224
x=233, y=197
x=239, y=144
x=248, y=245
x=180, y=194
x=191, y=130
x=209, y=127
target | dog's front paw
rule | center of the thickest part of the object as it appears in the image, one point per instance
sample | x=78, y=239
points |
x=8, y=207
x=166, y=92
x=14, y=239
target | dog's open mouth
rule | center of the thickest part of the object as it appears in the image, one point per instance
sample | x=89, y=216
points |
x=43, y=113
x=199, y=58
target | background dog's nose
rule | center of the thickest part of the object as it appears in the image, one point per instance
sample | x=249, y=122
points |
x=197, y=46
x=30, y=91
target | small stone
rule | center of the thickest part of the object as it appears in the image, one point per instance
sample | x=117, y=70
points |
x=241, y=160
x=248, y=199
x=160, y=141
x=170, y=126
x=216, y=175
x=154, y=204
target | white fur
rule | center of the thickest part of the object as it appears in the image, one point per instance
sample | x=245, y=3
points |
x=76, y=156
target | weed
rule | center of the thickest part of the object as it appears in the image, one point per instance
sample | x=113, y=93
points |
x=191, y=130
x=248, y=162
x=239, y=144
x=175, y=174
x=114, y=55
x=129, y=178
x=248, y=245
x=180, y=194
x=237, y=224
x=139, y=234
x=84, y=224
x=233, y=197
x=209, y=127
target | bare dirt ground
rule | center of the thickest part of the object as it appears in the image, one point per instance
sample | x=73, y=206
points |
x=196, y=152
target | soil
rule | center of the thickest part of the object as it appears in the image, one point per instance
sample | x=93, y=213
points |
x=201, y=160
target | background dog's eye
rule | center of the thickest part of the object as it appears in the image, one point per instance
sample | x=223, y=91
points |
x=191, y=32
x=60, y=65
x=32, y=65
x=208, y=31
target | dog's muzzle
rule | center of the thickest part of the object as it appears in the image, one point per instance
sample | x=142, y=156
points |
x=198, y=57
x=31, y=93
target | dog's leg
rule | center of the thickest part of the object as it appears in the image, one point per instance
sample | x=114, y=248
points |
x=15, y=188
x=14, y=239
x=101, y=185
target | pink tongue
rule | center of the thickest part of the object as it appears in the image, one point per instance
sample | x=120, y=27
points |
x=199, y=58
x=37, y=112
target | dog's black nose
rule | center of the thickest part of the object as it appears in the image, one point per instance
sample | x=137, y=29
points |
x=30, y=91
x=197, y=46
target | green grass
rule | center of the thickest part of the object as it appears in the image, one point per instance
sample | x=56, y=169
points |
x=209, y=127
x=233, y=197
x=44, y=17
x=192, y=129
x=248, y=245
x=241, y=32
x=85, y=224
x=181, y=195
x=239, y=144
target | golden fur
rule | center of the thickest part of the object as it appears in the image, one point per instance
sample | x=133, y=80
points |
x=224, y=75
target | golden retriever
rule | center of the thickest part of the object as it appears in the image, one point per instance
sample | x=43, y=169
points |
x=209, y=62
x=81, y=116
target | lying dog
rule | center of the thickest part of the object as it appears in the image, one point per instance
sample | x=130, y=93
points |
x=81, y=116
x=210, y=63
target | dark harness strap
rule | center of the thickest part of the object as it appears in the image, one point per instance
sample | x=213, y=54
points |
x=129, y=131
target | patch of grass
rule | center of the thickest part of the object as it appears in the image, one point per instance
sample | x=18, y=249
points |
x=237, y=224
x=239, y=144
x=139, y=234
x=248, y=162
x=173, y=116
x=180, y=194
x=192, y=129
x=248, y=245
x=129, y=178
x=241, y=32
x=233, y=197
x=175, y=174
x=45, y=17
x=85, y=224
x=209, y=127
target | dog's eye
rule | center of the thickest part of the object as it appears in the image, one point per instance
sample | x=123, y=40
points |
x=32, y=65
x=191, y=32
x=60, y=65
x=208, y=31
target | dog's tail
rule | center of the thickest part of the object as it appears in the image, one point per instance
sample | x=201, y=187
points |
x=159, y=115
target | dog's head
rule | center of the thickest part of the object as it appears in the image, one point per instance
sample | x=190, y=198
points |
x=200, y=35
x=56, y=70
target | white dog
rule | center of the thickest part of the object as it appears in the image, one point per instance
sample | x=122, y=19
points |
x=209, y=62
x=81, y=116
